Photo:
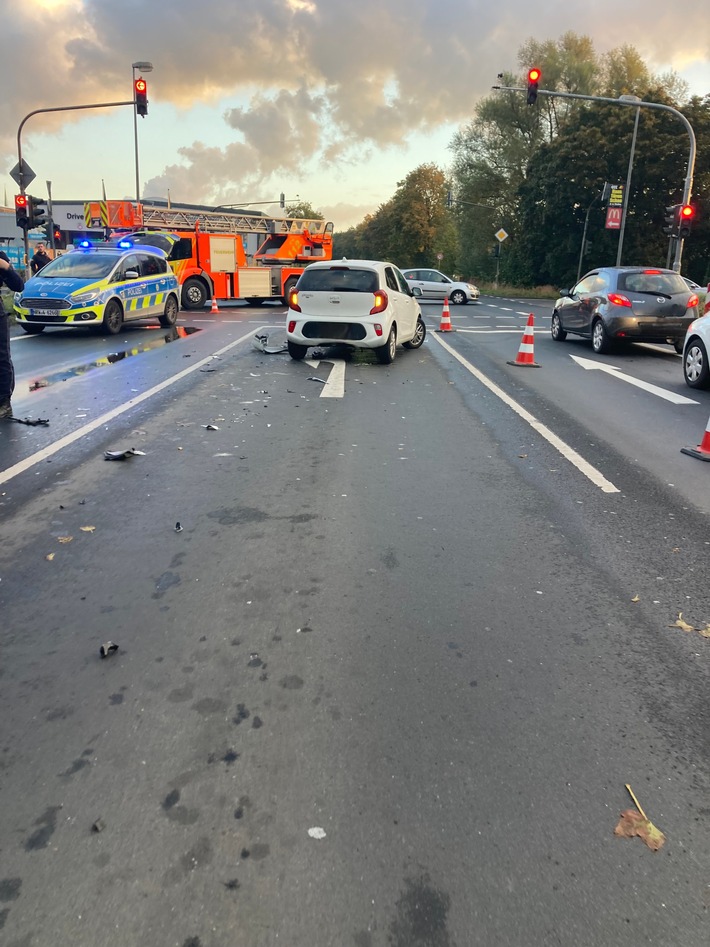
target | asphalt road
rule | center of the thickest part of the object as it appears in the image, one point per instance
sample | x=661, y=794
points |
x=387, y=683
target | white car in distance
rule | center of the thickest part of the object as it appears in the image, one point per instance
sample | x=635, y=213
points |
x=436, y=285
x=359, y=303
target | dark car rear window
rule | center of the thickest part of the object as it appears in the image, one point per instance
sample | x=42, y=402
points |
x=666, y=284
x=339, y=280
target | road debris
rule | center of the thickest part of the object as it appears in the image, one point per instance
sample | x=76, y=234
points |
x=634, y=823
x=123, y=454
x=98, y=826
x=684, y=626
x=31, y=422
x=316, y=832
x=107, y=649
x=87, y=529
x=210, y=427
x=313, y=378
x=178, y=527
x=64, y=539
x=270, y=341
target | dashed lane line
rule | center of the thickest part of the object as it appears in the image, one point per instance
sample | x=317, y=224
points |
x=584, y=467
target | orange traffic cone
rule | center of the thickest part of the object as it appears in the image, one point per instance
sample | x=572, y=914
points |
x=446, y=318
x=525, y=352
x=702, y=451
x=214, y=305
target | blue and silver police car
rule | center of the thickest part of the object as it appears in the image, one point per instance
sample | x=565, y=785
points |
x=101, y=286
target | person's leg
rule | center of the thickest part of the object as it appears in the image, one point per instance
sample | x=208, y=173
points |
x=7, y=372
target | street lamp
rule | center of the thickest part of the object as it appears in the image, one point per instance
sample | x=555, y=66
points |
x=142, y=67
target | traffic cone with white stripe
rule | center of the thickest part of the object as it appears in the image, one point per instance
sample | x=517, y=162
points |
x=525, y=354
x=445, y=325
x=214, y=305
x=702, y=451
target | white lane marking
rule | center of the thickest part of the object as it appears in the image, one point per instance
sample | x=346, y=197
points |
x=622, y=376
x=334, y=386
x=68, y=439
x=584, y=467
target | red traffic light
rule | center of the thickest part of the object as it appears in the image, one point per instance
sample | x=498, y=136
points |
x=687, y=212
x=534, y=75
x=141, y=86
x=20, y=201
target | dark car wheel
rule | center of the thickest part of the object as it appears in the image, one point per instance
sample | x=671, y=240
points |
x=170, y=313
x=458, y=297
x=695, y=365
x=194, y=294
x=113, y=318
x=385, y=353
x=556, y=330
x=32, y=330
x=601, y=342
x=297, y=351
x=419, y=335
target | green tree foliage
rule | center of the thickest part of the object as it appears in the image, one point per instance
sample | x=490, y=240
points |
x=303, y=210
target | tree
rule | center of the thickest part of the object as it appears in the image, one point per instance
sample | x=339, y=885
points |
x=303, y=210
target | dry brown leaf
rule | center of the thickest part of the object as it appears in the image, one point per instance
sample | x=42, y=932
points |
x=87, y=529
x=632, y=824
x=635, y=598
x=65, y=539
x=679, y=623
x=705, y=632
x=49, y=557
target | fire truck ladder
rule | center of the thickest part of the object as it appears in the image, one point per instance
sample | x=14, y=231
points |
x=160, y=218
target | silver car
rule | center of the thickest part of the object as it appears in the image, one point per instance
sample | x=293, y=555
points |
x=436, y=285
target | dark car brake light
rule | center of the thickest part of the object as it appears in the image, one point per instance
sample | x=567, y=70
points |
x=693, y=301
x=293, y=301
x=617, y=299
x=380, y=302
x=652, y=272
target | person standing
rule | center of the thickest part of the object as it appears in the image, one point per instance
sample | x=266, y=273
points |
x=40, y=258
x=13, y=281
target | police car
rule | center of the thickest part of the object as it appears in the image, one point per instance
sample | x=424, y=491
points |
x=102, y=286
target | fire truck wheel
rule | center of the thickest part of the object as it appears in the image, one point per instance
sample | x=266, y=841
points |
x=297, y=351
x=194, y=294
x=170, y=313
x=290, y=283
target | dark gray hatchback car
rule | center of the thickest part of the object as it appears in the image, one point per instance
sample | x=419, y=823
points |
x=626, y=304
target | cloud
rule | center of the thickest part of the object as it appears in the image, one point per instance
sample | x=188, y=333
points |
x=304, y=81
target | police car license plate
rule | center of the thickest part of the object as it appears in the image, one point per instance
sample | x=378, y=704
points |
x=41, y=313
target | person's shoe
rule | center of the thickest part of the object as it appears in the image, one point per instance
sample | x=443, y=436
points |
x=5, y=409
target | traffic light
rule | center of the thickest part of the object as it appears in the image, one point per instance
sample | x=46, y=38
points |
x=37, y=212
x=140, y=88
x=58, y=239
x=282, y=200
x=671, y=220
x=449, y=199
x=685, y=220
x=48, y=232
x=21, y=217
x=534, y=76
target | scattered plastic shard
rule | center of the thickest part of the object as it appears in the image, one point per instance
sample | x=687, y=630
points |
x=107, y=649
x=123, y=454
x=210, y=427
x=32, y=422
x=272, y=342
x=316, y=832
x=178, y=527
x=98, y=826
x=313, y=378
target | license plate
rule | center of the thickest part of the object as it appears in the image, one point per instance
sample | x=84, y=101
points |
x=41, y=313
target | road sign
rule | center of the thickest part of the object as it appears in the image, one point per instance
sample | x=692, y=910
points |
x=616, y=195
x=23, y=175
x=440, y=256
x=613, y=218
x=501, y=235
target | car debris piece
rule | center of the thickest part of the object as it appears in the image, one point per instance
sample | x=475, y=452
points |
x=272, y=342
x=210, y=427
x=123, y=454
x=98, y=826
x=109, y=648
x=313, y=378
x=32, y=422
x=178, y=527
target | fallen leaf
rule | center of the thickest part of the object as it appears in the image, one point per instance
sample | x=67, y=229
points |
x=49, y=557
x=679, y=623
x=635, y=598
x=632, y=824
x=705, y=632
x=65, y=539
x=87, y=529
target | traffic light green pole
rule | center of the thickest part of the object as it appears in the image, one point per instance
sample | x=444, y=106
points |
x=61, y=108
x=633, y=103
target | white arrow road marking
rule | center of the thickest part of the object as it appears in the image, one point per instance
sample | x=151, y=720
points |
x=646, y=386
x=334, y=386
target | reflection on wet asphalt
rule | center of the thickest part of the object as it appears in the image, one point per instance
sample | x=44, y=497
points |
x=171, y=335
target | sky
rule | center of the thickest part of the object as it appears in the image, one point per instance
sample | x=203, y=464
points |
x=332, y=102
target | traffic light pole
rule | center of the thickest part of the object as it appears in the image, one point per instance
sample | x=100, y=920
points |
x=687, y=187
x=62, y=108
